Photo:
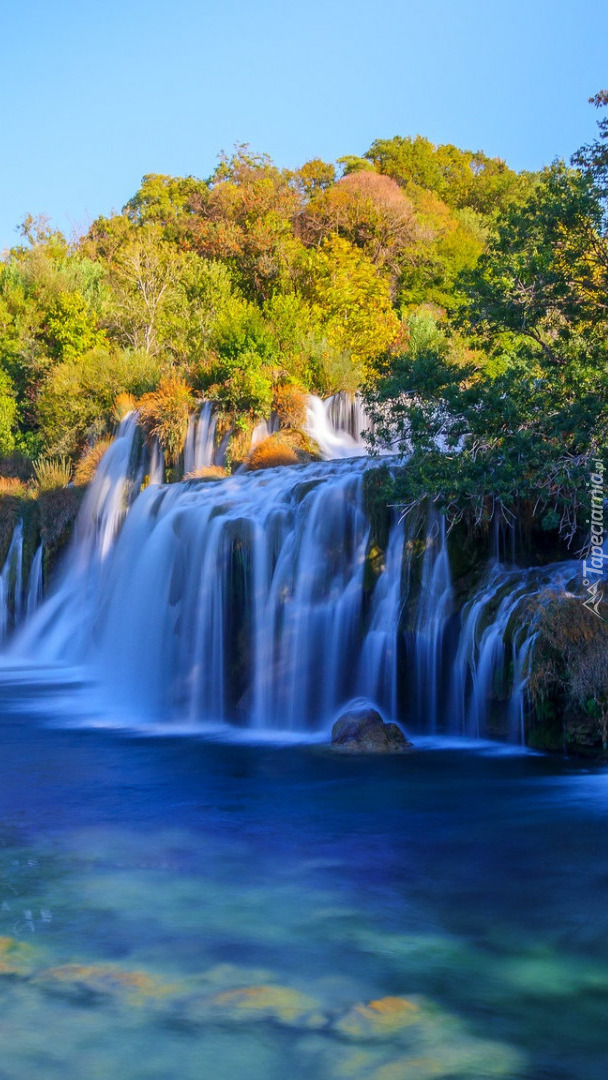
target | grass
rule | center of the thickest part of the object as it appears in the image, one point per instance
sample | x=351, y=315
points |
x=52, y=473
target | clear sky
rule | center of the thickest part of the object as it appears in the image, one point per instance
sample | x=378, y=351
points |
x=95, y=94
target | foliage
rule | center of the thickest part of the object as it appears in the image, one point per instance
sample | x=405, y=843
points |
x=289, y=403
x=164, y=414
x=516, y=420
x=352, y=300
x=271, y=453
x=207, y=472
x=87, y=464
x=288, y=447
x=468, y=300
x=76, y=399
x=52, y=473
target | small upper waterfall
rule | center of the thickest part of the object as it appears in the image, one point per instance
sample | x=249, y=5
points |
x=330, y=423
x=200, y=449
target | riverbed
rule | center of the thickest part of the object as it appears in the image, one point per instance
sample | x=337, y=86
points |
x=176, y=907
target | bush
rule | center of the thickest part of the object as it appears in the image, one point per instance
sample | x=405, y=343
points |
x=207, y=472
x=289, y=403
x=17, y=465
x=52, y=473
x=78, y=396
x=123, y=405
x=12, y=485
x=285, y=448
x=87, y=466
x=164, y=415
x=271, y=453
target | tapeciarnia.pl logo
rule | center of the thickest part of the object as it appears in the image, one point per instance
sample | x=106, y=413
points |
x=593, y=565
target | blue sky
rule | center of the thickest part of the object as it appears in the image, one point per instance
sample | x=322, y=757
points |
x=94, y=95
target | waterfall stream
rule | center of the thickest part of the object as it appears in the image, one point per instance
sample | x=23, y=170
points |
x=260, y=601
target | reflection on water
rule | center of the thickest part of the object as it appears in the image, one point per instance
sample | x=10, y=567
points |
x=171, y=908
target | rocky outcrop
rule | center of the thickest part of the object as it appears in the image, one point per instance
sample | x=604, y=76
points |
x=362, y=730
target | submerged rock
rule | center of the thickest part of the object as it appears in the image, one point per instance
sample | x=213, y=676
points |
x=277, y=1004
x=362, y=730
x=104, y=980
x=16, y=958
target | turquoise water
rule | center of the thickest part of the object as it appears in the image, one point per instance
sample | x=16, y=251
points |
x=176, y=908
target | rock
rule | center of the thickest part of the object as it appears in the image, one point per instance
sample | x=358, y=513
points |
x=362, y=730
x=16, y=958
x=379, y=1019
x=279, y=1004
x=104, y=980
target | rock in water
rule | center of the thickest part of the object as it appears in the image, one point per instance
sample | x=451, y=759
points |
x=364, y=731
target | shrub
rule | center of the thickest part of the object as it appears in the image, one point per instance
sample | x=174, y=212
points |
x=285, y=448
x=52, y=473
x=123, y=405
x=17, y=465
x=289, y=403
x=12, y=485
x=78, y=396
x=271, y=453
x=164, y=414
x=86, y=467
x=207, y=472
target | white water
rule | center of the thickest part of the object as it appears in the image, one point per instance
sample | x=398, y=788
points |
x=200, y=449
x=249, y=601
x=11, y=584
x=322, y=424
x=35, y=583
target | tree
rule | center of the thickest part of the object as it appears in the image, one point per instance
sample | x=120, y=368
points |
x=352, y=300
x=368, y=210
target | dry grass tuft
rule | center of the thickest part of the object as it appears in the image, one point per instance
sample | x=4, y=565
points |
x=207, y=472
x=271, y=453
x=12, y=485
x=52, y=473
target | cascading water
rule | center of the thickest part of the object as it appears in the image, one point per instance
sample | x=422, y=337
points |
x=200, y=449
x=499, y=628
x=11, y=584
x=35, y=583
x=322, y=424
x=346, y=412
x=433, y=609
x=250, y=601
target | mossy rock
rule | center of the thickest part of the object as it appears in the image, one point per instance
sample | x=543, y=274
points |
x=568, y=681
x=363, y=731
x=58, y=512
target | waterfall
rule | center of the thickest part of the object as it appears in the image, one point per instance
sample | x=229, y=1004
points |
x=199, y=448
x=35, y=583
x=346, y=412
x=434, y=606
x=499, y=628
x=262, y=600
x=378, y=666
x=11, y=583
x=334, y=441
